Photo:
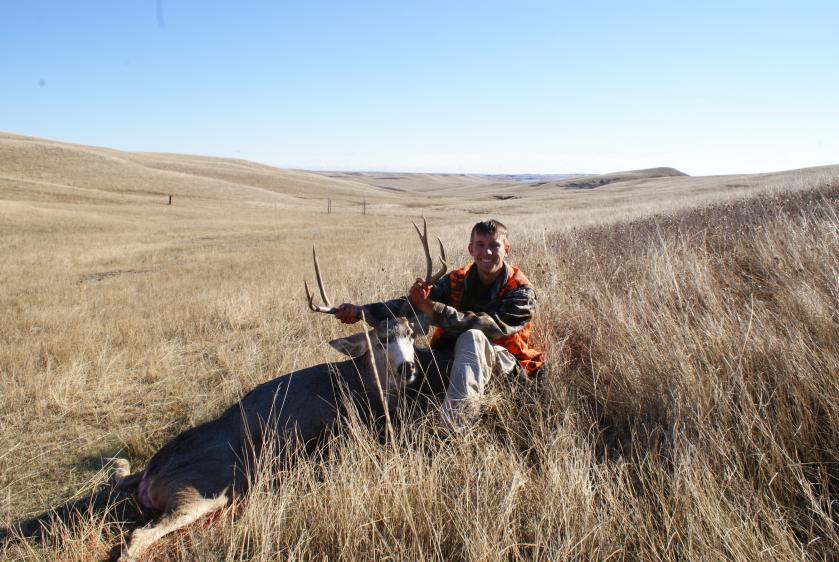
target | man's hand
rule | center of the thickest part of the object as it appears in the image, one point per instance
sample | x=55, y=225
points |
x=348, y=313
x=418, y=296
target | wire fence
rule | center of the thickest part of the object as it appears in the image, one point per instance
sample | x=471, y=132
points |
x=344, y=204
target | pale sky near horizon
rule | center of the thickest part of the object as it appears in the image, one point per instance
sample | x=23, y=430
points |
x=436, y=86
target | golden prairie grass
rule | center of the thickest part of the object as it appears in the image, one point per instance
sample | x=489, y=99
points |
x=689, y=410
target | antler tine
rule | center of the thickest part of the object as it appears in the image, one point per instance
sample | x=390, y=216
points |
x=444, y=266
x=328, y=309
x=319, y=280
x=312, y=306
x=424, y=239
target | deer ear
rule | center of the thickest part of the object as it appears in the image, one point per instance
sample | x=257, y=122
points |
x=354, y=345
x=419, y=324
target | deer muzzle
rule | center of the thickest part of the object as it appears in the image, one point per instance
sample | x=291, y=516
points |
x=408, y=372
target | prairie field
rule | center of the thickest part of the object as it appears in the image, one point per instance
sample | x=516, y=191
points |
x=691, y=326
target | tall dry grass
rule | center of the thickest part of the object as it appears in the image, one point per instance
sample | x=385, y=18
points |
x=689, y=410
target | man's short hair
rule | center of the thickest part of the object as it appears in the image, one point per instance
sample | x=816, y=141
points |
x=489, y=227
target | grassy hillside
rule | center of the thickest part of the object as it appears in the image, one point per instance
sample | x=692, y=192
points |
x=97, y=172
x=690, y=323
x=591, y=182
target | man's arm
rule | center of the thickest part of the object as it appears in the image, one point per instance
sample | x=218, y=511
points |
x=514, y=311
x=378, y=311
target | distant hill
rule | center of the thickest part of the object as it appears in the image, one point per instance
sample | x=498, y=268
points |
x=29, y=166
x=416, y=182
x=46, y=171
x=591, y=182
x=532, y=178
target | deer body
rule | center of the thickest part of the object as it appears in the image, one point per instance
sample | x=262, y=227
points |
x=204, y=468
x=304, y=405
x=215, y=457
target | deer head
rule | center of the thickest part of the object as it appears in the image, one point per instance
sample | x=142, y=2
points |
x=392, y=340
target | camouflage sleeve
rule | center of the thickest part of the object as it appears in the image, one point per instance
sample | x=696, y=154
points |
x=378, y=311
x=514, y=311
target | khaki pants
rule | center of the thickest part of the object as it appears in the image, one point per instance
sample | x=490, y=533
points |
x=476, y=361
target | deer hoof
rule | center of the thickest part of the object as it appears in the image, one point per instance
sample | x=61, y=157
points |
x=121, y=469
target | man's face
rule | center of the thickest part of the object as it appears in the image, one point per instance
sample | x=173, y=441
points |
x=489, y=251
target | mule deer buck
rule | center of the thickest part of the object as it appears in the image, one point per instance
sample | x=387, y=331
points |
x=202, y=469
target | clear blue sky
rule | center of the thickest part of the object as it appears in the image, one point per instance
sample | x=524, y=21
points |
x=446, y=86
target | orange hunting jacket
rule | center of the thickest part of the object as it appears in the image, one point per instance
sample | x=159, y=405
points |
x=508, y=326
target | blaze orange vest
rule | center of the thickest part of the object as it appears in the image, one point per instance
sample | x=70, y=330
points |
x=518, y=343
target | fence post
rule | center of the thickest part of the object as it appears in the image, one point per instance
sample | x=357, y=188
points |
x=170, y=200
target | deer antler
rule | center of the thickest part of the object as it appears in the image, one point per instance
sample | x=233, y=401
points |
x=429, y=278
x=328, y=309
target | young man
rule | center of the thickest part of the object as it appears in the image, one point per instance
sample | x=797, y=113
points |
x=483, y=317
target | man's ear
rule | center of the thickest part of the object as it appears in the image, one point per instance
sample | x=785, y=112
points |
x=354, y=345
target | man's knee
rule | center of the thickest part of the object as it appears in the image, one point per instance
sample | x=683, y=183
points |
x=471, y=338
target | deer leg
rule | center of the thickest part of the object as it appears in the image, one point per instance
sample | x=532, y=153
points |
x=182, y=514
x=121, y=470
x=122, y=477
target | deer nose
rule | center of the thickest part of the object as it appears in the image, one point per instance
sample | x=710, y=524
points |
x=408, y=371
